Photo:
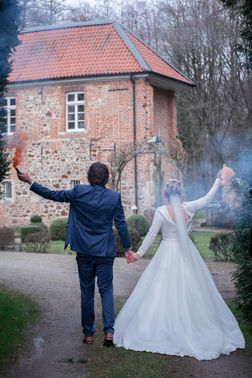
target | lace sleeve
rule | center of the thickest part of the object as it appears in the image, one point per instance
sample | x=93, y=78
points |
x=196, y=205
x=152, y=233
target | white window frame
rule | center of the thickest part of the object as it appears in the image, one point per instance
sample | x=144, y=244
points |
x=75, y=103
x=9, y=108
x=5, y=197
x=74, y=183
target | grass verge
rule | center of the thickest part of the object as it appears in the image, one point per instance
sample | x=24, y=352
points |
x=16, y=313
x=245, y=325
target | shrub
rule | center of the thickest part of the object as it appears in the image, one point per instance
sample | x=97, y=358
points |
x=139, y=223
x=222, y=246
x=57, y=229
x=31, y=228
x=37, y=241
x=6, y=237
x=36, y=219
x=243, y=246
x=135, y=239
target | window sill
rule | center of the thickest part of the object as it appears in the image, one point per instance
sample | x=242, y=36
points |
x=84, y=131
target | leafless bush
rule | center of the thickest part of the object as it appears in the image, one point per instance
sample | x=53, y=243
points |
x=6, y=237
x=37, y=241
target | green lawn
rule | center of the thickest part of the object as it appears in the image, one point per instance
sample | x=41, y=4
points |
x=201, y=240
x=201, y=214
x=16, y=313
x=151, y=251
x=57, y=246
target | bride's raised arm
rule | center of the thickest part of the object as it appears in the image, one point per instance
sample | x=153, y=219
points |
x=198, y=204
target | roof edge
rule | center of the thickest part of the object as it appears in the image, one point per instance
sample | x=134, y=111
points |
x=66, y=26
x=133, y=49
x=185, y=84
x=138, y=74
x=81, y=77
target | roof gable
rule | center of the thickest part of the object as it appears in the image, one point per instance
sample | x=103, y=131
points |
x=82, y=50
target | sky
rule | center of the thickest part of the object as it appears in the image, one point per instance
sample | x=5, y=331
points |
x=77, y=2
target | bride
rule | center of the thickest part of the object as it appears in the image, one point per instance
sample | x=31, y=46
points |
x=175, y=307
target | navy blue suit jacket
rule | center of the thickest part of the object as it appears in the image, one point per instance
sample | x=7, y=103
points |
x=92, y=210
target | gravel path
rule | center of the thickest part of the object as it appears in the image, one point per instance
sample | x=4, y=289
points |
x=52, y=281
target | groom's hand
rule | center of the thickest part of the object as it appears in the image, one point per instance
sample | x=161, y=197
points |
x=128, y=253
x=133, y=258
x=24, y=177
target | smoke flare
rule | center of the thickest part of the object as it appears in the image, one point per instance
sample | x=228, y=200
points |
x=18, y=141
x=228, y=193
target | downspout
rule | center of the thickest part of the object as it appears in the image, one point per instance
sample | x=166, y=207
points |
x=134, y=139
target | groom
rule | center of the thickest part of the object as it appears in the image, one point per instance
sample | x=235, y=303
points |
x=89, y=232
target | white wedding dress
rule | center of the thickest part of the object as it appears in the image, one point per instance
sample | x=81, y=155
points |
x=175, y=307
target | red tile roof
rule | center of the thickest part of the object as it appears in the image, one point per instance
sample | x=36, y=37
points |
x=80, y=50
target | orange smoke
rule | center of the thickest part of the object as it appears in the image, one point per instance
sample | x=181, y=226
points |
x=18, y=141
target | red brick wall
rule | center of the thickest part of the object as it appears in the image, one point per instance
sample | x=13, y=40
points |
x=54, y=157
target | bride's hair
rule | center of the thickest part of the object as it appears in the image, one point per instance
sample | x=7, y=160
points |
x=172, y=187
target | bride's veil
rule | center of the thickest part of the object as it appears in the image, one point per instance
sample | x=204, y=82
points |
x=180, y=225
x=193, y=266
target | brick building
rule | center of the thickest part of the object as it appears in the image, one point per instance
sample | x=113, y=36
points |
x=81, y=91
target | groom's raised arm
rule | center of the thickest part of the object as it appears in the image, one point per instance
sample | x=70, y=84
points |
x=54, y=195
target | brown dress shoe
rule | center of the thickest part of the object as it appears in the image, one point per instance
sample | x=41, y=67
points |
x=108, y=340
x=88, y=339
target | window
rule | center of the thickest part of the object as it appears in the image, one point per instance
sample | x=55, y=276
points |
x=74, y=183
x=7, y=190
x=75, y=111
x=10, y=106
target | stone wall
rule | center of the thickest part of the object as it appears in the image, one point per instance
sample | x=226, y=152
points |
x=54, y=157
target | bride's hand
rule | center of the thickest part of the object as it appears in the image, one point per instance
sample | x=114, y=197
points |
x=225, y=174
x=134, y=257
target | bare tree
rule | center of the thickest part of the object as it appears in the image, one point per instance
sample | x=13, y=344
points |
x=107, y=9
x=85, y=12
x=41, y=12
x=199, y=38
x=122, y=155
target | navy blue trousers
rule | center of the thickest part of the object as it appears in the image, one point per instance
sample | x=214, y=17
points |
x=89, y=267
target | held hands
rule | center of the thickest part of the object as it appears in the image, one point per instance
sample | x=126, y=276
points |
x=134, y=257
x=130, y=256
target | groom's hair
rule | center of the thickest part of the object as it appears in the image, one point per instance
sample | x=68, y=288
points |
x=98, y=174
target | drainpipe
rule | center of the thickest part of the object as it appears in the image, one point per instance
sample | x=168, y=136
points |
x=134, y=138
